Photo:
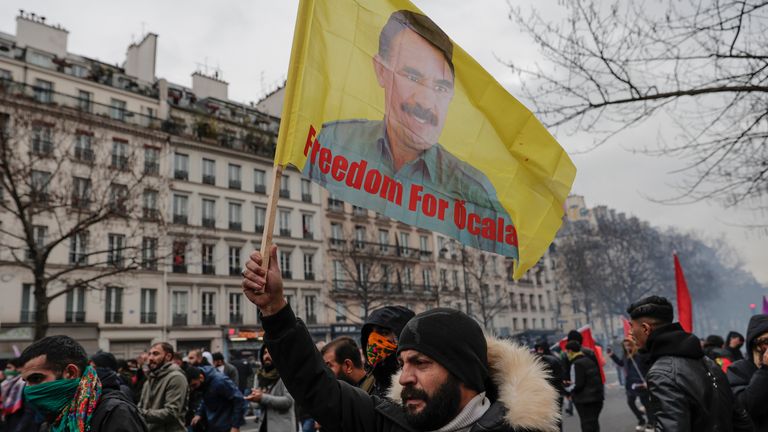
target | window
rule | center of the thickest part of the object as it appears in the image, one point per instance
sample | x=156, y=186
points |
x=179, y=257
x=207, y=254
x=234, y=261
x=235, y=308
x=209, y=171
x=118, y=109
x=75, y=312
x=426, y=275
x=259, y=216
x=179, y=308
x=149, y=253
x=84, y=101
x=359, y=236
x=284, y=222
x=179, y=209
x=118, y=195
x=306, y=190
x=81, y=192
x=115, y=248
x=208, y=306
x=341, y=315
x=28, y=303
x=338, y=270
x=307, y=224
x=359, y=211
x=424, y=244
x=40, y=182
x=285, y=186
x=404, y=240
x=151, y=161
x=309, y=266
x=259, y=181
x=79, y=71
x=119, y=154
x=309, y=309
x=113, y=307
x=408, y=277
x=148, y=306
x=43, y=91
x=336, y=235
x=39, y=233
x=515, y=326
x=234, y=177
x=523, y=304
x=84, y=147
x=235, y=216
x=149, y=199
x=531, y=302
x=209, y=213
x=78, y=244
x=456, y=279
x=180, y=166
x=443, y=278
x=383, y=240
x=42, y=139
x=285, y=264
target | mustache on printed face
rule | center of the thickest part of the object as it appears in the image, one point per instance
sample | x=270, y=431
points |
x=421, y=113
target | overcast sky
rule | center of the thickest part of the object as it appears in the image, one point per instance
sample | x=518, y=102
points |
x=250, y=41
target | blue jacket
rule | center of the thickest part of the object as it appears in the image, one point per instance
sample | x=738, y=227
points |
x=223, y=404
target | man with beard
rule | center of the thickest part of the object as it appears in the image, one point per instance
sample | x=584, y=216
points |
x=378, y=338
x=452, y=377
x=342, y=356
x=163, y=401
x=276, y=403
x=689, y=391
x=749, y=376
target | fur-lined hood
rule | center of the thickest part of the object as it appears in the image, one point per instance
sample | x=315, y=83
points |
x=519, y=383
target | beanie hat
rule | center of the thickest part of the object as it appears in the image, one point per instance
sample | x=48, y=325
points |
x=574, y=335
x=453, y=339
x=104, y=359
x=573, y=346
x=652, y=307
x=714, y=341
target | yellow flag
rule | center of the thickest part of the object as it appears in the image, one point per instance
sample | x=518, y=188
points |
x=387, y=113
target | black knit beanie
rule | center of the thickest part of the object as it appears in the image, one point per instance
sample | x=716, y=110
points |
x=574, y=335
x=453, y=339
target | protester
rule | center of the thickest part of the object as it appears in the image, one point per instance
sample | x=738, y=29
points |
x=178, y=360
x=452, y=377
x=226, y=368
x=138, y=376
x=106, y=367
x=277, y=405
x=688, y=390
x=245, y=373
x=378, y=338
x=585, y=387
x=342, y=356
x=554, y=368
x=749, y=376
x=733, y=343
x=634, y=366
x=714, y=348
x=164, y=399
x=223, y=405
x=17, y=416
x=195, y=358
x=574, y=335
x=69, y=393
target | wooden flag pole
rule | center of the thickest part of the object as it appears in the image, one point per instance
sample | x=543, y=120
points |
x=269, y=224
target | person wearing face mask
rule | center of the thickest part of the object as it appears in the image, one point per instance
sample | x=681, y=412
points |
x=749, y=376
x=68, y=392
x=733, y=343
x=16, y=415
x=378, y=338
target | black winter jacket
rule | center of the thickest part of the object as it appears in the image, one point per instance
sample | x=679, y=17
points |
x=521, y=399
x=586, y=381
x=750, y=384
x=689, y=392
x=635, y=368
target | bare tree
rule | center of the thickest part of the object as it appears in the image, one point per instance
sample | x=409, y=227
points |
x=478, y=272
x=704, y=64
x=64, y=188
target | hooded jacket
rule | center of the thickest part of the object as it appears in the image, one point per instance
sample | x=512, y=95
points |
x=750, y=384
x=586, y=383
x=521, y=399
x=115, y=412
x=689, y=392
x=223, y=405
x=394, y=318
x=163, y=401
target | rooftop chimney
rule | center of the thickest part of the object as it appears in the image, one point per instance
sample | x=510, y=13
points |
x=32, y=30
x=205, y=86
x=140, y=58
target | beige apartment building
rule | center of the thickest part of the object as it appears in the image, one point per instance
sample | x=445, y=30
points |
x=190, y=168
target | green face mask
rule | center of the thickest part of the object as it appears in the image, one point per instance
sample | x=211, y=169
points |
x=53, y=396
x=10, y=373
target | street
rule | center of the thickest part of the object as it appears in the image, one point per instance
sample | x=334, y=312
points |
x=615, y=417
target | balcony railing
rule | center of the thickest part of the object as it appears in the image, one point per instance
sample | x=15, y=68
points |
x=111, y=317
x=236, y=226
x=260, y=188
x=308, y=235
x=311, y=319
x=284, y=232
x=209, y=319
x=258, y=228
x=209, y=269
x=307, y=198
x=287, y=274
x=120, y=162
x=84, y=155
x=179, y=268
x=209, y=222
x=149, y=264
x=180, y=219
x=309, y=276
x=80, y=202
x=27, y=316
x=209, y=179
x=151, y=168
x=235, y=271
x=151, y=214
x=285, y=193
x=181, y=174
x=179, y=319
x=149, y=317
x=235, y=184
x=335, y=205
x=75, y=316
x=235, y=318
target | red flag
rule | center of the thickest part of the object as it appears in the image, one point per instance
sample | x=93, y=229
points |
x=627, y=327
x=589, y=342
x=765, y=305
x=684, y=309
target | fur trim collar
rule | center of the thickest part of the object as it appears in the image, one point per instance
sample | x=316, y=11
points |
x=521, y=384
